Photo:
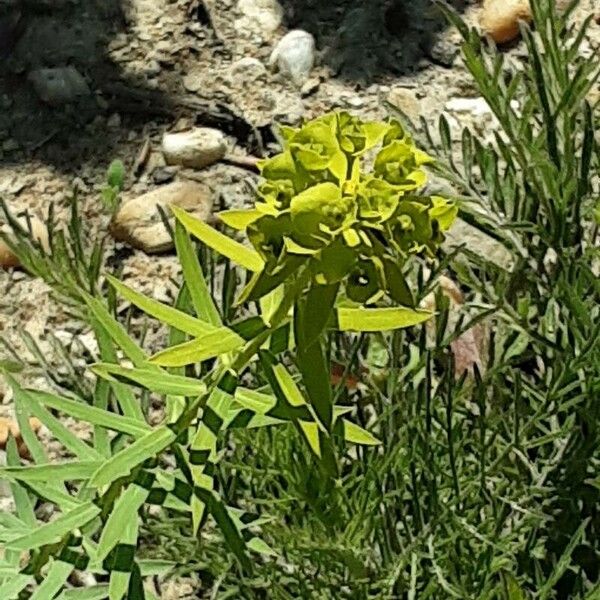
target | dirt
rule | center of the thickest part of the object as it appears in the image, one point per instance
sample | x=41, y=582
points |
x=164, y=66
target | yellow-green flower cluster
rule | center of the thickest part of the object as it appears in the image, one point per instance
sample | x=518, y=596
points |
x=344, y=195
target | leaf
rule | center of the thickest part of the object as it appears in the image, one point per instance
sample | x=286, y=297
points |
x=311, y=433
x=51, y=533
x=194, y=278
x=54, y=579
x=68, y=439
x=123, y=462
x=155, y=380
x=357, y=435
x=239, y=219
x=214, y=344
x=97, y=592
x=116, y=331
x=379, y=319
x=125, y=510
x=23, y=503
x=93, y=415
x=68, y=471
x=164, y=313
x=238, y=253
x=11, y=589
x=288, y=386
x=257, y=402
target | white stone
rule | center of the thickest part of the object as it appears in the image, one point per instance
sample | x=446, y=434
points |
x=294, y=55
x=196, y=148
x=138, y=221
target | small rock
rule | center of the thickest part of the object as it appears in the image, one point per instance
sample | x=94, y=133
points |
x=259, y=15
x=310, y=87
x=138, y=221
x=249, y=68
x=406, y=101
x=39, y=233
x=500, y=18
x=477, y=107
x=197, y=148
x=195, y=80
x=59, y=85
x=294, y=55
x=444, y=52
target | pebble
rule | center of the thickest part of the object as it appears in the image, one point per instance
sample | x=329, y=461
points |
x=294, y=55
x=8, y=259
x=405, y=99
x=263, y=16
x=249, y=68
x=138, y=221
x=500, y=18
x=196, y=148
x=59, y=85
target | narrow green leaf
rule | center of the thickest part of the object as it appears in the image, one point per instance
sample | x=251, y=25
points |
x=164, y=313
x=23, y=502
x=97, y=592
x=93, y=415
x=14, y=586
x=357, y=435
x=194, y=277
x=379, y=319
x=54, y=579
x=69, y=471
x=116, y=332
x=123, y=462
x=51, y=533
x=238, y=253
x=155, y=380
x=288, y=386
x=125, y=510
x=68, y=439
x=239, y=219
x=214, y=344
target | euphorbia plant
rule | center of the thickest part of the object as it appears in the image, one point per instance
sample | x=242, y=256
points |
x=337, y=217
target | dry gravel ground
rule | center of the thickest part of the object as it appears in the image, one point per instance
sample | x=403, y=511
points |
x=156, y=66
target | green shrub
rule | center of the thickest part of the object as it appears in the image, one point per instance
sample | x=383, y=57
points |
x=330, y=240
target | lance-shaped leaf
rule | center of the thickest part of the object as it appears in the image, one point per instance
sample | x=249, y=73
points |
x=194, y=278
x=68, y=471
x=164, y=313
x=221, y=341
x=238, y=253
x=93, y=415
x=53, y=581
x=126, y=460
x=379, y=319
x=51, y=533
x=125, y=510
x=155, y=380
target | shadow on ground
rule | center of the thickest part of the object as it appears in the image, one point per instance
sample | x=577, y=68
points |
x=366, y=38
x=360, y=38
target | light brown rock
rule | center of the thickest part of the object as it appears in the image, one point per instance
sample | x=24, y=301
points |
x=500, y=18
x=196, y=148
x=39, y=233
x=138, y=221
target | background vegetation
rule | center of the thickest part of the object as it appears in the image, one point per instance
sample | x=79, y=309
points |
x=486, y=485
